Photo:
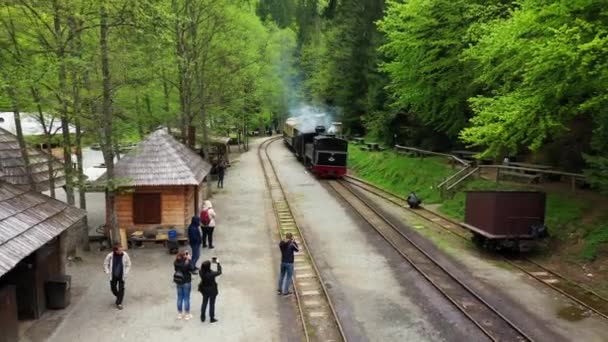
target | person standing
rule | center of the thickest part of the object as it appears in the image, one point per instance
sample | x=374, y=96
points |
x=221, y=170
x=208, y=288
x=117, y=265
x=288, y=246
x=195, y=239
x=208, y=223
x=183, y=282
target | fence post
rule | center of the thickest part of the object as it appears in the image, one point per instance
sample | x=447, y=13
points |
x=573, y=184
x=497, y=174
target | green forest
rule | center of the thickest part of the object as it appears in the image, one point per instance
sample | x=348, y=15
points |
x=505, y=78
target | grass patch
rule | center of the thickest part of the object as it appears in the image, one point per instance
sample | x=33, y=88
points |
x=563, y=215
x=400, y=174
x=593, y=242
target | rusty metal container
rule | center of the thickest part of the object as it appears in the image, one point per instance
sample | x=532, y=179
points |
x=505, y=214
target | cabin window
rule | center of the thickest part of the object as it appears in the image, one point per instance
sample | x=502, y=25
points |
x=146, y=208
x=1, y=119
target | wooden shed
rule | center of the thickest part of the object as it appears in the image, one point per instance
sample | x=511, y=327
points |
x=161, y=184
x=36, y=234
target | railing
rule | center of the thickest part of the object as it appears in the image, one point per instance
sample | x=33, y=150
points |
x=573, y=176
x=420, y=151
x=448, y=184
x=449, y=179
x=471, y=172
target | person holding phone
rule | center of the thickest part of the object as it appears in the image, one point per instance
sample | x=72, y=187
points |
x=288, y=247
x=183, y=282
x=208, y=288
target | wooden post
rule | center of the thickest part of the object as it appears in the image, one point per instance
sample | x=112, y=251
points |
x=196, y=200
x=573, y=184
x=63, y=250
x=497, y=175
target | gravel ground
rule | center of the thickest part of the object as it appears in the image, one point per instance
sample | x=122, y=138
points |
x=248, y=308
x=377, y=295
x=524, y=300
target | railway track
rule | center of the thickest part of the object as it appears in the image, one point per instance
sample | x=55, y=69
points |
x=487, y=318
x=580, y=294
x=318, y=316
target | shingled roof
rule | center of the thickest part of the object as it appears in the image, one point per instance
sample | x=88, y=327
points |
x=161, y=160
x=28, y=220
x=12, y=164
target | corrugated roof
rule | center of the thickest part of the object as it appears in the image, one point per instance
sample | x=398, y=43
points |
x=12, y=165
x=28, y=220
x=160, y=160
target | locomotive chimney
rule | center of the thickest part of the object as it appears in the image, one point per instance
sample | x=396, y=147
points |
x=320, y=129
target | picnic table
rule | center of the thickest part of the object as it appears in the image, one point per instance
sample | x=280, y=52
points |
x=359, y=140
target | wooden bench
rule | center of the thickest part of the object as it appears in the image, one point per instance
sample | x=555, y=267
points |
x=532, y=178
x=359, y=140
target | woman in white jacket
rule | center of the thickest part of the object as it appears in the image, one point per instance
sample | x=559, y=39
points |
x=117, y=266
x=208, y=223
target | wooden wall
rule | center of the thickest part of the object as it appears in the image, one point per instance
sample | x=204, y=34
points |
x=9, y=325
x=177, y=204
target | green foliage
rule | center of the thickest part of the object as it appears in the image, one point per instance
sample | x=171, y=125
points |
x=425, y=41
x=597, y=172
x=564, y=215
x=544, y=65
x=594, y=242
x=339, y=62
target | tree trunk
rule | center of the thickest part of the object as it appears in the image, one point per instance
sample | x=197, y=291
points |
x=76, y=48
x=19, y=132
x=48, y=134
x=167, y=100
x=106, y=123
x=183, y=85
x=63, y=108
x=199, y=68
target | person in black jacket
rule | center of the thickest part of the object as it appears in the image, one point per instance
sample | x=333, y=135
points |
x=288, y=246
x=183, y=281
x=195, y=239
x=208, y=287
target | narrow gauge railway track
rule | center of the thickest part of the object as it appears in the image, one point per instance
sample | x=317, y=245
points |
x=576, y=292
x=319, y=319
x=488, y=319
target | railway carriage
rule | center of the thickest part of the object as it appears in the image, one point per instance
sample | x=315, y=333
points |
x=503, y=219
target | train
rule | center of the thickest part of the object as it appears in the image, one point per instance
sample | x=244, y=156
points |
x=323, y=153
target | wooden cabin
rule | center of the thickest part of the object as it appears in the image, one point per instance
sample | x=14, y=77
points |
x=37, y=233
x=161, y=184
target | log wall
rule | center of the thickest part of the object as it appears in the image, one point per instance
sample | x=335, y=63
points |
x=177, y=204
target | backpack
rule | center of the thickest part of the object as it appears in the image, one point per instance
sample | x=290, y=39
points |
x=205, y=218
x=178, y=277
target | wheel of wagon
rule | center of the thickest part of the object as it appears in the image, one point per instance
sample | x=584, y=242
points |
x=478, y=239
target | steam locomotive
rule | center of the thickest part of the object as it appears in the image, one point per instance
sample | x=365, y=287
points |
x=323, y=153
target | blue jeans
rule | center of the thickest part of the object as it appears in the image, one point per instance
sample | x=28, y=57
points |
x=196, y=253
x=183, y=296
x=285, y=275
